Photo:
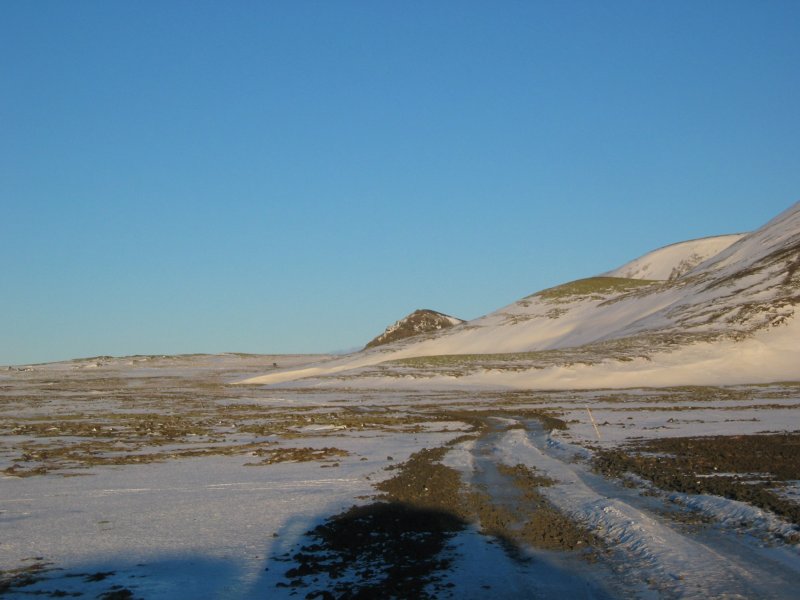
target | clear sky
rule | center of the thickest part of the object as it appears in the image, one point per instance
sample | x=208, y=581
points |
x=293, y=176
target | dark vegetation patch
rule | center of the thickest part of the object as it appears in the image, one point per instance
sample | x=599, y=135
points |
x=419, y=322
x=18, y=582
x=423, y=482
x=117, y=593
x=99, y=576
x=544, y=526
x=55, y=458
x=381, y=550
x=522, y=516
x=788, y=256
x=744, y=309
x=298, y=455
x=548, y=420
x=594, y=287
x=15, y=579
x=686, y=516
x=478, y=418
x=641, y=346
x=78, y=423
x=524, y=477
x=748, y=468
x=392, y=548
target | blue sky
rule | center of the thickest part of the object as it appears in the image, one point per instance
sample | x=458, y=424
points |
x=293, y=176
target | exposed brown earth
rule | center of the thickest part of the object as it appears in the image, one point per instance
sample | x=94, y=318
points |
x=748, y=468
x=69, y=426
x=387, y=549
x=543, y=526
x=396, y=547
x=419, y=322
x=298, y=455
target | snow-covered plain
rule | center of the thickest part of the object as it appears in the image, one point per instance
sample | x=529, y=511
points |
x=183, y=525
x=200, y=521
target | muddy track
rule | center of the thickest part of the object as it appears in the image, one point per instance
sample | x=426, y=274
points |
x=398, y=546
x=646, y=542
x=636, y=541
x=510, y=504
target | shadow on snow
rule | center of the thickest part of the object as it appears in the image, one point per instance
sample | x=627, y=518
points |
x=378, y=550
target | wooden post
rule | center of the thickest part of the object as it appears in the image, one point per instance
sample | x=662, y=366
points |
x=594, y=424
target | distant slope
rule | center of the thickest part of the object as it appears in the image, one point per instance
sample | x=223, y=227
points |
x=731, y=316
x=675, y=260
x=418, y=322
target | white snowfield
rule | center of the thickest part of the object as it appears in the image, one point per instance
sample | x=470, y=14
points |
x=675, y=260
x=731, y=318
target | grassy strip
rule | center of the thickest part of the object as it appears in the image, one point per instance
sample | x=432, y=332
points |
x=593, y=286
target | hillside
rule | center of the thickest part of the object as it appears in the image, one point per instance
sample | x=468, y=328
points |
x=730, y=318
x=675, y=260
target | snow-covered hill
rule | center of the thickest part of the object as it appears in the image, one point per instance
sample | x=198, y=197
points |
x=675, y=260
x=728, y=319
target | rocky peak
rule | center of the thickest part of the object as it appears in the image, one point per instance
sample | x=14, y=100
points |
x=419, y=321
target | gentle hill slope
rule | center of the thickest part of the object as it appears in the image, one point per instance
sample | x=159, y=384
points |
x=675, y=260
x=736, y=309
